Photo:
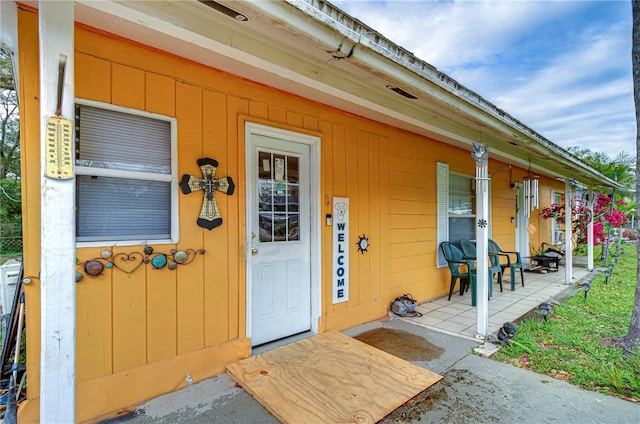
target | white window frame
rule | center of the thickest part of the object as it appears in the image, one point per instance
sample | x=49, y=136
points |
x=442, y=219
x=557, y=233
x=171, y=177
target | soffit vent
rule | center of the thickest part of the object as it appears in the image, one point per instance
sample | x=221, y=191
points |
x=401, y=92
x=225, y=10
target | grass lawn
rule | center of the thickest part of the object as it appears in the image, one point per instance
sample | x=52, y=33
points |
x=577, y=343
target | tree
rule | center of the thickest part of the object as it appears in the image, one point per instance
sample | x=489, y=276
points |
x=620, y=168
x=9, y=121
x=6, y=74
x=10, y=204
x=631, y=340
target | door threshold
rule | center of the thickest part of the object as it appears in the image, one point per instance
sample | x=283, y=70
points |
x=256, y=350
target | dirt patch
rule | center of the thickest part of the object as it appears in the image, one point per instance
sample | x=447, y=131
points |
x=402, y=344
x=459, y=398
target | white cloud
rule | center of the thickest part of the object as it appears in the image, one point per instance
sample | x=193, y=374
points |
x=561, y=67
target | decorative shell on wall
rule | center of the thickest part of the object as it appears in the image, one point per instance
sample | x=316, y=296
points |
x=129, y=262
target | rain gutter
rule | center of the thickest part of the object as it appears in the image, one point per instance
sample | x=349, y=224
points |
x=432, y=83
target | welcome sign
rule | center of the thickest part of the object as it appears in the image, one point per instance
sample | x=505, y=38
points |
x=340, y=283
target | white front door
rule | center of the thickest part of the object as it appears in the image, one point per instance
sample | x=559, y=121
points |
x=279, y=238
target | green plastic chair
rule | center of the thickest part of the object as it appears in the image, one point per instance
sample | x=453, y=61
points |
x=455, y=259
x=514, y=262
x=469, y=251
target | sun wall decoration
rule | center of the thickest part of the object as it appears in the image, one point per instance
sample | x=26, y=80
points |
x=363, y=243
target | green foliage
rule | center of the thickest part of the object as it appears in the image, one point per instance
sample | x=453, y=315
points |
x=6, y=72
x=578, y=342
x=10, y=197
x=10, y=203
x=9, y=122
x=620, y=168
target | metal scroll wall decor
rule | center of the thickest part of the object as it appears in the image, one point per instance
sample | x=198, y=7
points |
x=129, y=262
x=210, y=217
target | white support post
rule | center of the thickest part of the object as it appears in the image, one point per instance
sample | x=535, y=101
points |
x=568, y=253
x=590, y=231
x=481, y=155
x=57, y=232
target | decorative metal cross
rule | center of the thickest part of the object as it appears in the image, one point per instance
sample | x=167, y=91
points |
x=210, y=217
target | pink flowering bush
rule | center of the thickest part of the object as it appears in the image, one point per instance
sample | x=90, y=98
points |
x=604, y=217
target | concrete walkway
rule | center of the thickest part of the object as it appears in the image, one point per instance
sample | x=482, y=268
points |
x=458, y=317
x=474, y=389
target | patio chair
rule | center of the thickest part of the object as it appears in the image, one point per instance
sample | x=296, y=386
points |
x=455, y=260
x=513, y=262
x=469, y=251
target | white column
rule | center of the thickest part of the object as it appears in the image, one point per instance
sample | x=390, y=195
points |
x=481, y=155
x=568, y=205
x=57, y=232
x=590, y=231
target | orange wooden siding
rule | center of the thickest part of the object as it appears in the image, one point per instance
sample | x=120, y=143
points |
x=132, y=326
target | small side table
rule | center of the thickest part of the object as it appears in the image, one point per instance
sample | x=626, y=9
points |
x=547, y=261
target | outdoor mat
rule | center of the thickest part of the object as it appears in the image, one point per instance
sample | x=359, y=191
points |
x=330, y=378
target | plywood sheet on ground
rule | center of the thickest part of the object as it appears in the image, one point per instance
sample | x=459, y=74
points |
x=330, y=378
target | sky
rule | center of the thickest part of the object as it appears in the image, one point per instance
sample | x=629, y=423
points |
x=563, y=68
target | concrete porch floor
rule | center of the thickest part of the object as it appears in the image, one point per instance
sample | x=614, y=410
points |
x=457, y=317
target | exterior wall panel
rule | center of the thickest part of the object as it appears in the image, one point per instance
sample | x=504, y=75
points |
x=132, y=327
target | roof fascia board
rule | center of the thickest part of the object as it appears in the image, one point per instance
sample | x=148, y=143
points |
x=248, y=50
x=368, y=37
x=162, y=28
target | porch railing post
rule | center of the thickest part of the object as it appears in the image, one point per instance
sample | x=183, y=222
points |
x=57, y=218
x=481, y=155
x=590, y=231
x=568, y=231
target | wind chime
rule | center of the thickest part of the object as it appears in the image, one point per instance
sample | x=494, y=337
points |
x=530, y=193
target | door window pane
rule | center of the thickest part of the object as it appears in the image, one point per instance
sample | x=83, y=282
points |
x=293, y=227
x=278, y=197
x=292, y=169
x=265, y=200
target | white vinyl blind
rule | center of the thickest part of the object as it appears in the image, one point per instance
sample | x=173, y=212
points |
x=122, y=209
x=108, y=138
x=124, y=176
x=442, y=175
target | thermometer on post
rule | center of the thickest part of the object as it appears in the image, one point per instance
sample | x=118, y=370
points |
x=59, y=136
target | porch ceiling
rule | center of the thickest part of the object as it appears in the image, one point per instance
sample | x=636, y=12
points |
x=313, y=50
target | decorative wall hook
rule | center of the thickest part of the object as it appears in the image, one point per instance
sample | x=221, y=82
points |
x=209, y=217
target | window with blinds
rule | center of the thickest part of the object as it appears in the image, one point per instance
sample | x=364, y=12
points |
x=456, y=208
x=462, y=207
x=125, y=176
x=557, y=233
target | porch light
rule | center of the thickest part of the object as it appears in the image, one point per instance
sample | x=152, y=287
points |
x=225, y=10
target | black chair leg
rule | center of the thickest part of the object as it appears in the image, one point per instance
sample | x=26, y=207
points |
x=522, y=277
x=453, y=284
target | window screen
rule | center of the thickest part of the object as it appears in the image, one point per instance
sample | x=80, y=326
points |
x=462, y=207
x=124, y=176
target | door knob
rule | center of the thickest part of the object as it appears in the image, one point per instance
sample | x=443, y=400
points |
x=254, y=251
